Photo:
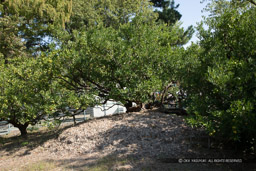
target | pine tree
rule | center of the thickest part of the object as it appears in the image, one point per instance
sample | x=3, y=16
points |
x=168, y=14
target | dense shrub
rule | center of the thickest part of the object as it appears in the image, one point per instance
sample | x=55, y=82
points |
x=220, y=81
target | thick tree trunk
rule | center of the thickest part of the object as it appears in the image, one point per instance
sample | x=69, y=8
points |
x=130, y=108
x=23, y=130
x=127, y=106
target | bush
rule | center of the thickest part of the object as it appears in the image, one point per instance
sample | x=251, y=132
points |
x=221, y=84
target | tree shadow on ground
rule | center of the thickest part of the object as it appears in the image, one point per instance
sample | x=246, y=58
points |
x=157, y=135
x=149, y=141
x=115, y=162
x=13, y=143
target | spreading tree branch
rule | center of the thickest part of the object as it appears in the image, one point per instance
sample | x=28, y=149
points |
x=252, y=1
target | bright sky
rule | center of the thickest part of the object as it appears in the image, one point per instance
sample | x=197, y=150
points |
x=191, y=11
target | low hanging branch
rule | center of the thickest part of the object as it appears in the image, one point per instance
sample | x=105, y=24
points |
x=108, y=107
x=252, y=2
x=164, y=91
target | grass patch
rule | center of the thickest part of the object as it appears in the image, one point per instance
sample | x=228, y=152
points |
x=39, y=166
x=110, y=163
x=25, y=143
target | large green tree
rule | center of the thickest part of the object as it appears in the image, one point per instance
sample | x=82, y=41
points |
x=25, y=96
x=28, y=91
x=220, y=80
x=120, y=53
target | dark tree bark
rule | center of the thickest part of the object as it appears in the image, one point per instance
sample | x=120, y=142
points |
x=164, y=92
x=23, y=130
x=130, y=108
x=74, y=119
x=128, y=105
x=22, y=127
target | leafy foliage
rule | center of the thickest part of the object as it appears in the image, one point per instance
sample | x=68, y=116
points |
x=123, y=64
x=29, y=93
x=107, y=13
x=220, y=80
x=10, y=45
x=25, y=95
x=117, y=50
x=31, y=23
x=168, y=14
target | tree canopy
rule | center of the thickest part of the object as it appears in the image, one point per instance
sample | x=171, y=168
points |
x=26, y=25
x=27, y=86
x=220, y=80
x=119, y=56
x=108, y=49
x=124, y=64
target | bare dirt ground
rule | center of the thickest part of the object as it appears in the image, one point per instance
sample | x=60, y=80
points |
x=147, y=140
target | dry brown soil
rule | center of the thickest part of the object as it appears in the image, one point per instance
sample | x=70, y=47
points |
x=147, y=140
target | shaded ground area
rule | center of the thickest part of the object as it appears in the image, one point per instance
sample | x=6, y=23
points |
x=147, y=140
